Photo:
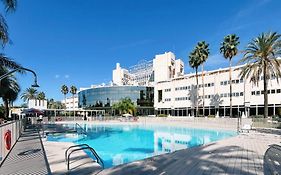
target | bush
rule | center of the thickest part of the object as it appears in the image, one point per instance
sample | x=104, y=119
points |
x=211, y=116
x=258, y=116
x=162, y=115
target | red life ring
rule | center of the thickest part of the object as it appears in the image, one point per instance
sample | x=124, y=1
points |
x=8, y=139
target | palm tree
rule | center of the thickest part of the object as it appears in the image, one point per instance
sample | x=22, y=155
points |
x=9, y=90
x=126, y=105
x=64, y=91
x=10, y=6
x=194, y=62
x=41, y=96
x=229, y=50
x=73, y=91
x=261, y=58
x=202, y=49
x=29, y=94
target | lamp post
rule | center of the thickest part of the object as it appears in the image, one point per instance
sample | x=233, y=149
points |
x=21, y=68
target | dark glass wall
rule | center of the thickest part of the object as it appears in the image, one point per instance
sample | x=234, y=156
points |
x=106, y=96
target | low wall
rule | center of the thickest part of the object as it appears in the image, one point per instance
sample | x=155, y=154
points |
x=9, y=132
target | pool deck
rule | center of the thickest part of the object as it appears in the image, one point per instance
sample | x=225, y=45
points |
x=27, y=156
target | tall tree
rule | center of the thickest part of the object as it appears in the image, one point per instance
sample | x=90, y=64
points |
x=10, y=6
x=194, y=62
x=41, y=96
x=229, y=50
x=203, y=52
x=262, y=63
x=73, y=91
x=9, y=90
x=29, y=94
x=64, y=91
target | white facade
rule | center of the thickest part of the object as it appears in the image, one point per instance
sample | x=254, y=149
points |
x=166, y=67
x=37, y=104
x=121, y=76
x=178, y=95
x=69, y=103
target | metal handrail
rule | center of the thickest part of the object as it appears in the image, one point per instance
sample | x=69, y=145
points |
x=99, y=160
x=84, y=132
x=65, y=153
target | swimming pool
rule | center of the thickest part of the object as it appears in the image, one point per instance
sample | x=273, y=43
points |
x=118, y=144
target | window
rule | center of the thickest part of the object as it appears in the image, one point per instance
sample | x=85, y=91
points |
x=209, y=84
x=167, y=90
x=221, y=82
x=237, y=94
x=241, y=93
x=262, y=92
x=273, y=91
x=253, y=92
x=221, y=95
x=241, y=80
x=237, y=81
x=278, y=91
x=167, y=99
x=213, y=84
x=258, y=92
x=159, y=95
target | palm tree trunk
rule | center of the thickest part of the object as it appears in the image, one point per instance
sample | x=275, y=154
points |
x=230, y=89
x=65, y=105
x=265, y=92
x=203, y=89
x=73, y=106
x=6, y=106
x=197, y=89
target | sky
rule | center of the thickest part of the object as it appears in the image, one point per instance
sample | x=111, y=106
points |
x=76, y=42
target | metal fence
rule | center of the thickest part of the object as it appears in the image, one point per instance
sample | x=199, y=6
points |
x=266, y=123
x=9, y=132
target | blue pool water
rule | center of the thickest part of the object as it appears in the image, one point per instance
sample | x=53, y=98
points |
x=118, y=144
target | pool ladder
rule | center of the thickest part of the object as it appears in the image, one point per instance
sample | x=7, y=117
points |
x=82, y=147
x=83, y=131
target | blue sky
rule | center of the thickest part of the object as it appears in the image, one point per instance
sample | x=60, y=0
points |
x=76, y=42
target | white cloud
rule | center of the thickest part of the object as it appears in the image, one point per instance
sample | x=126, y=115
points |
x=57, y=76
x=66, y=76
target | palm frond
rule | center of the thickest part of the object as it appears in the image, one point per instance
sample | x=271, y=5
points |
x=10, y=5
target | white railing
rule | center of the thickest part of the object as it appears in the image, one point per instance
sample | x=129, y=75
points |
x=9, y=132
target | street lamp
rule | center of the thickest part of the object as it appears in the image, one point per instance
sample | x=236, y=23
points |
x=21, y=68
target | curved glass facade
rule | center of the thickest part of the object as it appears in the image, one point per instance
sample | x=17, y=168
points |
x=106, y=96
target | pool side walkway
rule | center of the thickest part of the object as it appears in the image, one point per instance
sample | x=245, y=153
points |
x=246, y=154
x=27, y=156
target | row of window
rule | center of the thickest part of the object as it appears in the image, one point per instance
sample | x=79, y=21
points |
x=233, y=82
x=272, y=91
x=167, y=99
x=168, y=90
x=188, y=87
x=234, y=94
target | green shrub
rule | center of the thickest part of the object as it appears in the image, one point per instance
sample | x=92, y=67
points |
x=162, y=115
x=258, y=116
x=211, y=116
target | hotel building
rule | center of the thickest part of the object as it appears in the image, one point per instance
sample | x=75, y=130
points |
x=163, y=88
